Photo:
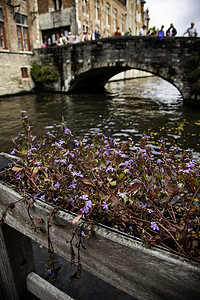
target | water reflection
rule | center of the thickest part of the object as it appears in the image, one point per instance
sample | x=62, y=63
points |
x=128, y=109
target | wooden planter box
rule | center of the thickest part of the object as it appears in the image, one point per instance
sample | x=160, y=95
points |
x=112, y=256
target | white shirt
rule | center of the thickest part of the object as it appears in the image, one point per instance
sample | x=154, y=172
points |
x=141, y=32
x=191, y=31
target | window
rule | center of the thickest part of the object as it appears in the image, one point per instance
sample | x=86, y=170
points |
x=2, y=36
x=131, y=17
x=115, y=19
x=24, y=72
x=97, y=10
x=22, y=32
x=107, y=14
x=57, y=4
x=85, y=7
x=122, y=22
x=85, y=28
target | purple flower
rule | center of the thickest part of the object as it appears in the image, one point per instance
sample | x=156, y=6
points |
x=122, y=194
x=84, y=197
x=123, y=164
x=82, y=233
x=72, y=185
x=55, y=199
x=187, y=171
x=70, y=166
x=61, y=142
x=67, y=131
x=57, y=185
x=49, y=133
x=154, y=226
x=149, y=210
x=42, y=197
x=104, y=205
x=190, y=164
x=77, y=174
x=13, y=152
x=66, y=153
x=87, y=207
x=159, y=161
x=23, y=111
x=18, y=175
x=109, y=169
x=76, y=143
x=63, y=161
x=38, y=163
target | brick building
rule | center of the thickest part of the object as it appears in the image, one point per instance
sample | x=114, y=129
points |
x=19, y=33
x=80, y=16
x=26, y=24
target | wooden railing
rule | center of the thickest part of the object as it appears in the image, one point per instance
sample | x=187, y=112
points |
x=112, y=256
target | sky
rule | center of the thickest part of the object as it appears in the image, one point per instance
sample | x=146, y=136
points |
x=179, y=12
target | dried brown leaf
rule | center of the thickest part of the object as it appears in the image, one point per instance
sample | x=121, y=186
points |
x=76, y=219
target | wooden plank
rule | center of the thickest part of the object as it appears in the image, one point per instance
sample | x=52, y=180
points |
x=7, y=283
x=16, y=261
x=117, y=259
x=43, y=289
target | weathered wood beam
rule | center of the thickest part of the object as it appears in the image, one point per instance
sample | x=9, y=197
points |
x=16, y=262
x=116, y=258
x=43, y=289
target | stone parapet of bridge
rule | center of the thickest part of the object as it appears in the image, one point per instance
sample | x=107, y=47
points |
x=87, y=66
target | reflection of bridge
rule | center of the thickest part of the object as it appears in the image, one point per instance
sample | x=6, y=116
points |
x=89, y=65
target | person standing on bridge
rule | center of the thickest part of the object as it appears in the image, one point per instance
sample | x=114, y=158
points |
x=171, y=31
x=117, y=32
x=142, y=30
x=161, y=33
x=129, y=32
x=191, y=31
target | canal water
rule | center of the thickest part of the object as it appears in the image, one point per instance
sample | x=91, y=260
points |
x=131, y=108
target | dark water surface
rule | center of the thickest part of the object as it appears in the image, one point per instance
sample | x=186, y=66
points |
x=129, y=108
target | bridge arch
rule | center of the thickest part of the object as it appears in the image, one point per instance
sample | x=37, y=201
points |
x=89, y=65
x=95, y=79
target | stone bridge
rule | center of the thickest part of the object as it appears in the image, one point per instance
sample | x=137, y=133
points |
x=87, y=66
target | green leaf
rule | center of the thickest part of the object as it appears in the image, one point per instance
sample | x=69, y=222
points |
x=120, y=176
x=113, y=183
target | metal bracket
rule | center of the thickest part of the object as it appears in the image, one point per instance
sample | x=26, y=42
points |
x=12, y=7
x=33, y=16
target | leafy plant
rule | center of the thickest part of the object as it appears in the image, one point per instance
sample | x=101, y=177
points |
x=44, y=74
x=153, y=196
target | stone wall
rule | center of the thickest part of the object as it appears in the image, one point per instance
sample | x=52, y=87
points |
x=11, y=81
x=17, y=54
x=89, y=65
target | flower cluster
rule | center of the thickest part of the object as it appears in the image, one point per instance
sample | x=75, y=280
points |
x=153, y=195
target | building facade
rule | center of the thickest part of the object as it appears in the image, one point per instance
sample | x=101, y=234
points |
x=19, y=34
x=27, y=24
x=81, y=16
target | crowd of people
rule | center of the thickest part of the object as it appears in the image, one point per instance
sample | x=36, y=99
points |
x=171, y=31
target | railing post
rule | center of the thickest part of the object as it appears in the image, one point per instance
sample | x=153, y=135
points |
x=16, y=262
